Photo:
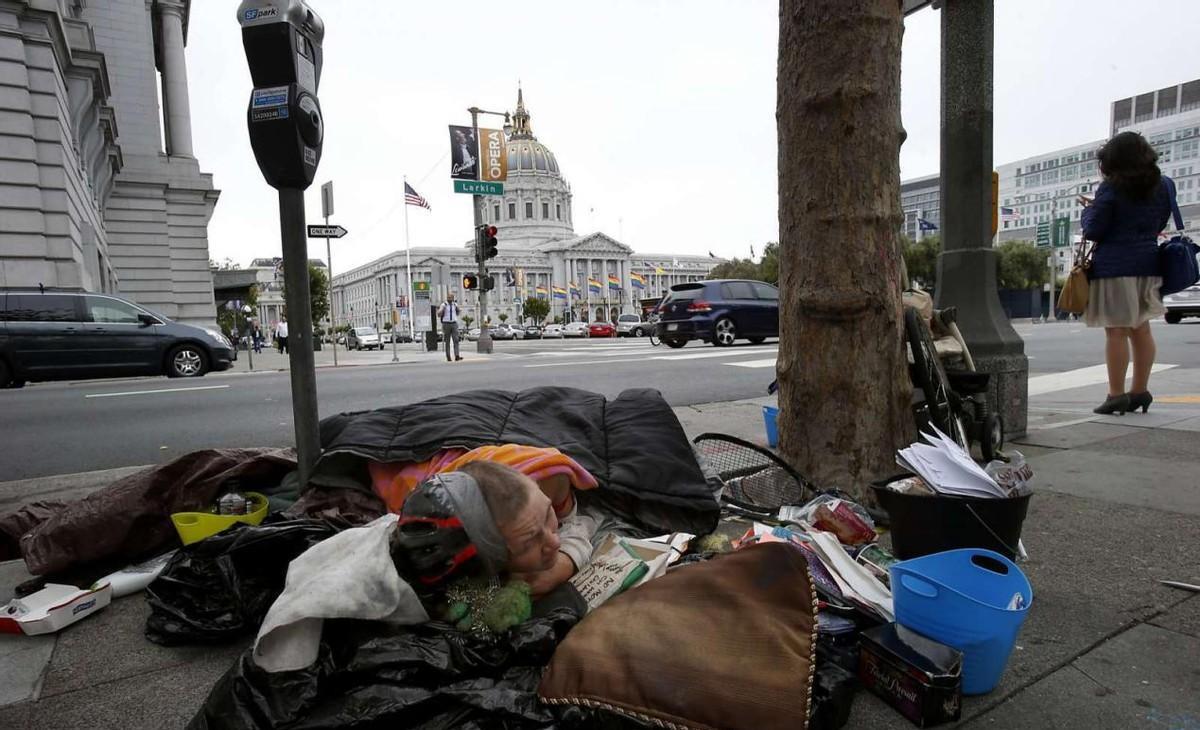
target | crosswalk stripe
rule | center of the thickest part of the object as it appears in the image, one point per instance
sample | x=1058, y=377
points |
x=1078, y=378
x=768, y=363
x=719, y=353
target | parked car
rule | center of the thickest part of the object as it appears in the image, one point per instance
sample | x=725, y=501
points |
x=1182, y=304
x=364, y=338
x=602, y=329
x=503, y=332
x=719, y=311
x=552, y=331
x=55, y=335
x=533, y=332
x=631, y=325
x=575, y=329
x=473, y=334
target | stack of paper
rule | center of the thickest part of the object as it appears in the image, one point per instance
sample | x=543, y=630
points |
x=948, y=468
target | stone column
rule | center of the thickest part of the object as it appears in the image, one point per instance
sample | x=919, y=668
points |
x=178, y=116
x=966, y=272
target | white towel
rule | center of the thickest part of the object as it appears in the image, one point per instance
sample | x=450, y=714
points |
x=350, y=575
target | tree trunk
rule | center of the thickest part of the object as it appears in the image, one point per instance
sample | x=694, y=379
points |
x=844, y=388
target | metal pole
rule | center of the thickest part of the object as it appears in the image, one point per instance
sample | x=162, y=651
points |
x=332, y=317
x=412, y=305
x=484, y=344
x=300, y=351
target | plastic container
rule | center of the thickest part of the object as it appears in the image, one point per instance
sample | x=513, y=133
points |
x=922, y=525
x=973, y=600
x=195, y=526
x=770, y=414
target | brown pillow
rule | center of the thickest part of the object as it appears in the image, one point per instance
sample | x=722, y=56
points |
x=724, y=644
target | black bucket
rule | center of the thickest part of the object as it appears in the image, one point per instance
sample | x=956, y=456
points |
x=922, y=525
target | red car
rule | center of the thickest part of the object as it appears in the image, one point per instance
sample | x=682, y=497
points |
x=602, y=329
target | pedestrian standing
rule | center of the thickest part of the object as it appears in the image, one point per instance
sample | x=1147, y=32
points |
x=1131, y=207
x=281, y=334
x=448, y=316
x=256, y=337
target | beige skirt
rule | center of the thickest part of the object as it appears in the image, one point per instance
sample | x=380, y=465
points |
x=1123, y=301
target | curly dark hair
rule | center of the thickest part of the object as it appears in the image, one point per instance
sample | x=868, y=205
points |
x=1128, y=163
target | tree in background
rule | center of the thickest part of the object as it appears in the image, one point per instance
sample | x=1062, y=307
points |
x=318, y=292
x=920, y=259
x=467, y=320
x=503, y=317
x=1021, y=265
x=765, y=269
x=535, y=309
x=844, y=388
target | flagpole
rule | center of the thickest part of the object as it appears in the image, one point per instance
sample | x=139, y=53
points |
x=412, y=305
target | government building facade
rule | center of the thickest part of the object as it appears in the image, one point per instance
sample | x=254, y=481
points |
x=101, y=191
x=588, y=277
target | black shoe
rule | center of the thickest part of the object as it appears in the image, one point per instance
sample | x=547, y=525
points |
x=458, y=357
x=1118, y=404
x=1140, y=400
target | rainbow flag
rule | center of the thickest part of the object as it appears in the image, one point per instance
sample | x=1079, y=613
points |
x=613, y=282
x=593, y=285
x=574, y=290
x=638, y=281
x=541, y=291
x=559, y=292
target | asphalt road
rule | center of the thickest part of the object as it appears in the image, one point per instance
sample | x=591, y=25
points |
x=60, y=428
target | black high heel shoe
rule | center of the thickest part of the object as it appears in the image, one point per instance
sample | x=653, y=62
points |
x=1140, y=400
x=1118, y=404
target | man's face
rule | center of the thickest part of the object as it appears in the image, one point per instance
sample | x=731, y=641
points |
x=462, y=138
x=532, y=536
x=450, y=298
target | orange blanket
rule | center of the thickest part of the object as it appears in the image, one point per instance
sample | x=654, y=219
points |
x=394, y=481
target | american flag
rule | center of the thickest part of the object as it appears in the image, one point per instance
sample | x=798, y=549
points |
x=1008, y=214
x=411, y=197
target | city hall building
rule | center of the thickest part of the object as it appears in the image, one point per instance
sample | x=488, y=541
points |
x=99, y=188
x=584, y=277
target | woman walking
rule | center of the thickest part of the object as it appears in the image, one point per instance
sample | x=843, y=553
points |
x=1131, y=207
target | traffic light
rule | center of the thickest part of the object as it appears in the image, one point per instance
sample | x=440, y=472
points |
x=489, y=282
x=470, y=282
x=487, y=242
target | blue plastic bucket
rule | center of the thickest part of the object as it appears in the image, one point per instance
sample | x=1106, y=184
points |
x=961, y=598
x=769, y=415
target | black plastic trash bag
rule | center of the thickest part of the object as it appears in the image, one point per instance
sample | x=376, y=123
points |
x=220, y=588
x=430, y=676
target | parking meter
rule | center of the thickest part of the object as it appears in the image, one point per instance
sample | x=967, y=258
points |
x=282, y=39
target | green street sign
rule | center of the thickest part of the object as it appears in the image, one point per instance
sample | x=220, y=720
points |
x=1062, y=232
x=420, y=286
x=1043, y=235
x=478, y=187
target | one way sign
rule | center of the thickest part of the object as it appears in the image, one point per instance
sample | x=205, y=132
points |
x=326, y=231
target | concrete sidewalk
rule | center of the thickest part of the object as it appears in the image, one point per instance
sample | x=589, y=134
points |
x=406, y=352
x=1105, y=645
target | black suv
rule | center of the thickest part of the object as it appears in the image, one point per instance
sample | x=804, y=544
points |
x=719, y=311
x=55, y=335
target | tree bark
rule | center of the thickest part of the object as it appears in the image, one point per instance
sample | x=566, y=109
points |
x=844, y=388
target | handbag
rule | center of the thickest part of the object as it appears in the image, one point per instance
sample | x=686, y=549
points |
x=1177, y=257
x=1074, y=296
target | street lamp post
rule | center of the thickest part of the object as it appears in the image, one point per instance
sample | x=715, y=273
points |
x=484, y=344
x=250, y=350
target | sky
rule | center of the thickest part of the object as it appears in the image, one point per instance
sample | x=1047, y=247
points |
x=661, y=112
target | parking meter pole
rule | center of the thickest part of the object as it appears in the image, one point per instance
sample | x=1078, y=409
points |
x=300, y=330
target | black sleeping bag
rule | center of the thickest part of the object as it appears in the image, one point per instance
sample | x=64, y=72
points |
x=634, y=445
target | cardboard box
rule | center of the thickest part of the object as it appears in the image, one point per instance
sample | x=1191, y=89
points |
x=918, y=676
x=52, y=608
